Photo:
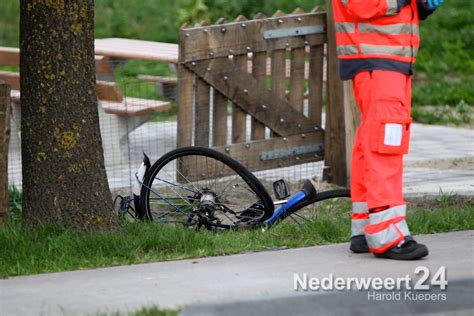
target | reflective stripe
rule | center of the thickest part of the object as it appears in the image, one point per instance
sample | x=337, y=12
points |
x=357, y=226
x=360, y=218
x=415, y=29
x=403, y=227
x=381, y=241
x=346, y=50
x=360, y=207
x=392, y=7
x=389, y=214
x=393, y=29
x=345, y=27
x=405, y=51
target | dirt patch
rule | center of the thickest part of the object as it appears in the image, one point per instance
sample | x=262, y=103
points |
x=465, y=163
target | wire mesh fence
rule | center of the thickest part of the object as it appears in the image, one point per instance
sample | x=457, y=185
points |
x=126, y=135
x=261, y=104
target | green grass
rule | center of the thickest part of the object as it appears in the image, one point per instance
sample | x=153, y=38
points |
x=446, y=60
x=51, y=248
x=155, y=311
x=146, y=311
x=15, y=199
x=10, y=68
x=459, y=115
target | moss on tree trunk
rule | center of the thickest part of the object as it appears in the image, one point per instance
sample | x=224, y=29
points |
x=64, y=178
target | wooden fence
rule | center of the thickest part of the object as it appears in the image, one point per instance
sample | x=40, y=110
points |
x=272, y=71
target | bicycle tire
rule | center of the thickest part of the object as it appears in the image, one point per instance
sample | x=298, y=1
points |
x=319, y=197
x=249, y=178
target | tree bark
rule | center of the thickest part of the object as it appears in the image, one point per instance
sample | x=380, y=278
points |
x=64, y=178
x=4, y=141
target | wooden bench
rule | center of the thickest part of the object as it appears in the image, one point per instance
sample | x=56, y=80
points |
x=11, y=78
x=106, y=91
x=119, y=115
x=10, y=56
x=137, y=49
x=165, y=86
x=128, y=112
x=121, y=105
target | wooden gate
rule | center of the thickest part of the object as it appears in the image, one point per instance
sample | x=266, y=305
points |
x=263, y=77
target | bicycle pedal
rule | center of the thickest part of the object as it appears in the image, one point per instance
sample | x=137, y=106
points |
x=280, y=189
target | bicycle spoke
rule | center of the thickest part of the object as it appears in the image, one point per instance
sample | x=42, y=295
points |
x=185, y=178
x=176, y=185
x=171, y=204
x=223, y=191
x=175, y=198
x=178, y=194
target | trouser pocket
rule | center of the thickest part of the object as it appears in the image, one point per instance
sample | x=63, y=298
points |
x=392, y=135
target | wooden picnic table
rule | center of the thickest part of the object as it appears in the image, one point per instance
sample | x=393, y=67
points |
x=112, y=47
x=137, y=49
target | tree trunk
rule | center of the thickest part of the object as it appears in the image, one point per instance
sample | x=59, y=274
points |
x=64, y=178
x=4, y=141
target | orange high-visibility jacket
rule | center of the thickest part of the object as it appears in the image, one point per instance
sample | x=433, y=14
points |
x=377, y=34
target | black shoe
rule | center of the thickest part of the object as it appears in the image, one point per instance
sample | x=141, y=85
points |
x=408, y=250
x=359, y=244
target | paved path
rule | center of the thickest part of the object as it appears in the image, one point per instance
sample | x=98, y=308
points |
x=263, y=276
x=459, y=302
x=429, y=143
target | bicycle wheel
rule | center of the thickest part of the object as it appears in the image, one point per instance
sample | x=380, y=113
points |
x=327, y=201
x=198, y=186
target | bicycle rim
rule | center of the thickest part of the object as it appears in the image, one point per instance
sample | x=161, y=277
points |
x=197, y=186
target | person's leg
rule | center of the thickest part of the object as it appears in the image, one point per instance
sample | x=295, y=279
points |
x=360, y=212
x=388, y=120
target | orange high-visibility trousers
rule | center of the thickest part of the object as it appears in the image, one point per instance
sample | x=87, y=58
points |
x=384, y=99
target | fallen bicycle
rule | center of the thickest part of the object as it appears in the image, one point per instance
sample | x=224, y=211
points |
x=201, y=187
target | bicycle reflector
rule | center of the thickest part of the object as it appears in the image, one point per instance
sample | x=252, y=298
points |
x=280, y=189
